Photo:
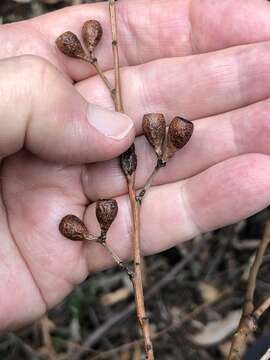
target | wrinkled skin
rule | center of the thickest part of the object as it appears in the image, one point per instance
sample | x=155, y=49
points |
x=206, y=60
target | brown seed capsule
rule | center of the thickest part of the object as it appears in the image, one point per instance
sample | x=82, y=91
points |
x=154, y=128
x=106, y=211
x=70, y=45
x=128, y=161
x=179, y=133
x=73, y=228
x=91, y=33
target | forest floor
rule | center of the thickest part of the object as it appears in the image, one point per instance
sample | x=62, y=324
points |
x=194, y=291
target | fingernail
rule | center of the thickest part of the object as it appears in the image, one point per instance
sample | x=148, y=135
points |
x=112, y=124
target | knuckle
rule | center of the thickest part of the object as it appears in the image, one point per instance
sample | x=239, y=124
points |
x=36, y=70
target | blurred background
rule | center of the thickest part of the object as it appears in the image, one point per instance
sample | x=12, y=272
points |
x=194, y=291
x=15, y=10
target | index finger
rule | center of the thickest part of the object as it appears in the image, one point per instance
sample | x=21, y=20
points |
x=148, y=30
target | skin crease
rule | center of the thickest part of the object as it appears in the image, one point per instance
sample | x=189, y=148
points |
x=214, y=69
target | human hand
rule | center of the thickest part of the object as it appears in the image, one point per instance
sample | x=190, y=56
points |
x=205, y=60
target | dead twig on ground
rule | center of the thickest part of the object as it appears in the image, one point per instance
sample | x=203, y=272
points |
x=250, y=317
x=46, y=326
x=266, y=356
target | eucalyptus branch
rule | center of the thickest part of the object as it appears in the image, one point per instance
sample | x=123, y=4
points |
x=69, y=44
x=165, y=143
x=128, y=163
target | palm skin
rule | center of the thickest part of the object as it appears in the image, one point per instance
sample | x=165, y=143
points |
x=181, y=57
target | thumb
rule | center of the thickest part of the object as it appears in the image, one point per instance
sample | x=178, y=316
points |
x=41, y=110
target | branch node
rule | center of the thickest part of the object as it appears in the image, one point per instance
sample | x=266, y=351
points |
x=161, y=163
x=139, y=197
x=145, y=318
x=93, y=60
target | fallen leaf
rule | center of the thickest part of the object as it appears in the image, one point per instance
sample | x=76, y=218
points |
x=266, y=356
x=216, y=331
x=209, y=293
x=115, y=296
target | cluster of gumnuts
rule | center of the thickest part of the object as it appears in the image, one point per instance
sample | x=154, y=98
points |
x=166, y=140
x=74, y=229
x=69, y=44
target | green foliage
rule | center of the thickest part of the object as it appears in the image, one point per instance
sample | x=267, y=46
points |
x=81, y=298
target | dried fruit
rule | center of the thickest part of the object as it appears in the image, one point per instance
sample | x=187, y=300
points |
x=106, y=211
x=154, y=128
x=73, y=228
x=128, y=161
x=179, y=133
x=69, y=44
x=91, y=33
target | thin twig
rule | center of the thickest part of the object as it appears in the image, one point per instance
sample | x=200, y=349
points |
x=112, y=253
x=105, y=79
x=116, y=258
x=261, y=309
x=249, y=298
x=266, y=356
x=103, y=241
x=46, y=326
x=28, y=350
x=149, y=182
x=94, y=62
x=137, y=278
x=248, y=322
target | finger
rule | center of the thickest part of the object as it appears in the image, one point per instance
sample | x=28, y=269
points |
x=165, y=28
x=147, y=30
x=194, y=87
x=20, y=308
x=215, y=139
x=37, y=195
x=222, y=195
x=49, y=117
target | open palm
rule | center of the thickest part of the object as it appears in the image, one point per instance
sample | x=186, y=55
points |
x=207, y=60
